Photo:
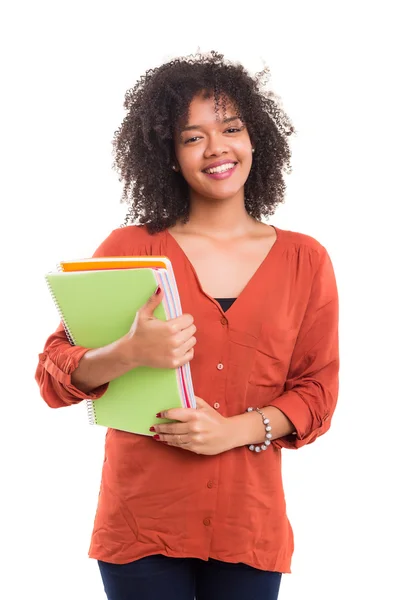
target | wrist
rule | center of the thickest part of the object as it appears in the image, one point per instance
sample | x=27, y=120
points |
x=249, y=428
x=126, y=353
x=246, y=429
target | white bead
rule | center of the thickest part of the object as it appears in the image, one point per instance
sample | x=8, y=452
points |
x=249, y=409
x=258, y=449
x=263, y=447
x=267, y=442
x=266, y=421
x=269, y=436
x=251, y=447
x=268, y=428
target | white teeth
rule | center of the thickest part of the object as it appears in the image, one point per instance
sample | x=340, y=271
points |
x=221, y=168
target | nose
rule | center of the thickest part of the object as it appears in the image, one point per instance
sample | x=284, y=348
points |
x=215, y=146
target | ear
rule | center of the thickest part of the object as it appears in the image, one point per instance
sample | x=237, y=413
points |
x=174, y=163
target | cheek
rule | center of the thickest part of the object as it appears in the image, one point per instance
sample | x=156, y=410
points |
x=243, y=150
x=189, y=162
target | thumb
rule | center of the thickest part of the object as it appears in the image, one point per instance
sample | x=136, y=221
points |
x=149, y=307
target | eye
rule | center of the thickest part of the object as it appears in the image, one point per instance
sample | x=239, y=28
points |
x=191, y=139
x=234, y=129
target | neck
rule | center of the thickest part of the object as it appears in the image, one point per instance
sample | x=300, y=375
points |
x=225, y=218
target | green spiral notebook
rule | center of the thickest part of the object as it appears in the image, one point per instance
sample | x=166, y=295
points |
x=99, y=307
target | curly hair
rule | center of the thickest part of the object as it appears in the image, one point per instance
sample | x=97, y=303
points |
x=143, y=146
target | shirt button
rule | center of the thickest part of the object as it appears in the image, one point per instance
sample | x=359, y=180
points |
x=209, y=484
x=206, y=522
x=220, y=366
x=216, y=405
x=224, y=321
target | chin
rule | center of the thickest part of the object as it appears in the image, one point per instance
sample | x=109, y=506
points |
x=222, y=194
x=218, y=191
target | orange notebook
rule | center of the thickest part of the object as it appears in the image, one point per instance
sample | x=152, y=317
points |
x=114, y=262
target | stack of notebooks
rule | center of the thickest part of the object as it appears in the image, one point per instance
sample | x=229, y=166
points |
x=97, y=300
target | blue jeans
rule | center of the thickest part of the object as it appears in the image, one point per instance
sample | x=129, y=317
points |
x=155, y=577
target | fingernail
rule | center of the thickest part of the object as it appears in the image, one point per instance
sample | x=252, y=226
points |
x=158, y=291
x=158, y=415
x=156, y=437
x=151, y=428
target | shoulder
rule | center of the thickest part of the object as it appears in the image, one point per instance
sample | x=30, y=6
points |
x=299, y=239
x=129, y=240
x=301, y=243
x=305, y=253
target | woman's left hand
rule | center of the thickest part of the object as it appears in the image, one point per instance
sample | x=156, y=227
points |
x=201, y=430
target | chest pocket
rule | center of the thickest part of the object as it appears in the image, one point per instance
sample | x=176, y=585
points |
x=272, y=355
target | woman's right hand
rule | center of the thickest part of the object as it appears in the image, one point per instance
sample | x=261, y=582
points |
x=159, y=344
x=149, y=343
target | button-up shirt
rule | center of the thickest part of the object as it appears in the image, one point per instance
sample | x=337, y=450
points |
x=277, y=345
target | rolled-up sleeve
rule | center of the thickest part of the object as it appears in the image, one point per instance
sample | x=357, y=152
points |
x=53, y=373
x=312, y=384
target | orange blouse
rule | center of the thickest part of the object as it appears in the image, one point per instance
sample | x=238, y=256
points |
x=277, y=345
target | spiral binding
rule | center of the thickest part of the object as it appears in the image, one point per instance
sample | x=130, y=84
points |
x=89, y=403
x=64, y=322
x=91, y=412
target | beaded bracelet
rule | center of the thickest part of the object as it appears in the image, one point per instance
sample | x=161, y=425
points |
x=268, y=434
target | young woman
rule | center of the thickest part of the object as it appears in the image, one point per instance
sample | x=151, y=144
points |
x=198, y=509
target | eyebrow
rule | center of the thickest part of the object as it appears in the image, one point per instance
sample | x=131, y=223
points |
x=227, y=120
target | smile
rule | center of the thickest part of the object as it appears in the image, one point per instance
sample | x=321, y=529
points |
x=222, y=171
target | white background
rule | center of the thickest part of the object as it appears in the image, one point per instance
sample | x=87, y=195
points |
x=66, y=67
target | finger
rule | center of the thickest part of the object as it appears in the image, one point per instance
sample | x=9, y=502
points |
x=178, y=440
x=181, y=322
x=149, y=307
x=180, y=361
x=171, y=428
x=178, y=414
x=184, y=349
x=187, y=357
x=184, y=341
x=184, y=335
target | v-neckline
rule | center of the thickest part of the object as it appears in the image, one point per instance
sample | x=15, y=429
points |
x=250, y=281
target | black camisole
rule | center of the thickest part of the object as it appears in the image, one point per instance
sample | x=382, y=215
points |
x=225, y=302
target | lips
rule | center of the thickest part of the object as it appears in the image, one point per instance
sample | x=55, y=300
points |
x=216, y=175
x=219, y=163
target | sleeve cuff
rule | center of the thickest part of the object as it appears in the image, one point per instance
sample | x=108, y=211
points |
x=70, y=361
x=296, y=410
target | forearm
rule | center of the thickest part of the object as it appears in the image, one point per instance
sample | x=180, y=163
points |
x=101, y=365
x=249, y=428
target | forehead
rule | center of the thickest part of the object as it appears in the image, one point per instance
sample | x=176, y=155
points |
x=204, y=110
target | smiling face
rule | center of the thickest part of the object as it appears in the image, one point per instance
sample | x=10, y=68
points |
x=222, y=145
